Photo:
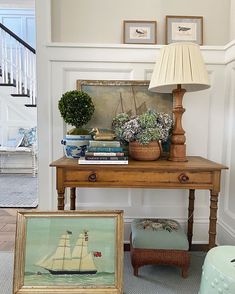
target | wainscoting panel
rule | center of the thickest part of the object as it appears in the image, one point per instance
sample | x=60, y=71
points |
x=14, y=115
x=203, y=121
x=103, y=198
x=226, y=228
x=208, y=120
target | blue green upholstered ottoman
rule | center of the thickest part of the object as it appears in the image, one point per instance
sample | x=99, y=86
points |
x=218, y=275
x=159, y=241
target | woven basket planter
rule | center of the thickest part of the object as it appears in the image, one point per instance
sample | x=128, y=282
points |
x=151, y=151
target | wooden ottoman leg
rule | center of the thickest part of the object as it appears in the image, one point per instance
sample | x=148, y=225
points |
x=184, y=272
x=136, y=268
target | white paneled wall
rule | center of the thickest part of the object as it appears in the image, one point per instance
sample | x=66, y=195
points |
x=14, y=115
x=207, y=122
x=226, y=227
x=20, y=21
x=204, y=122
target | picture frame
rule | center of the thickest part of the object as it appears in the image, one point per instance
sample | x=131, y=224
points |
x=111, y=97
x=139, y=32
x=69, y=252
x=184, y=29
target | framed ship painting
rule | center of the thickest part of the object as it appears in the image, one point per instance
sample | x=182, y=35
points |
x=111, y=97
x=69, y=252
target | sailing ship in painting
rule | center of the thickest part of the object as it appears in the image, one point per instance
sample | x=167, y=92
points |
x=65, y=260
x=135, y=110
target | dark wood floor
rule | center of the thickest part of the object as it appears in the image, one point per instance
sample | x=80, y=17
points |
x=7, y=229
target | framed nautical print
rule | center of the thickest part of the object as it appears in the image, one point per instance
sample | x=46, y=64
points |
x=111, y=97
x=69, y=252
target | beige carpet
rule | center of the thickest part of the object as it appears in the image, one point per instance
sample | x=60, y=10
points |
x=152, y=280
x=18, y=190
x=6, y=272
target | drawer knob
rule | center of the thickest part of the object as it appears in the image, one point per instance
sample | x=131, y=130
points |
x=92, y=177
x=183, y=178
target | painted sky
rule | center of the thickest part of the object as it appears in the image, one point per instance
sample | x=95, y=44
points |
x=43, y=235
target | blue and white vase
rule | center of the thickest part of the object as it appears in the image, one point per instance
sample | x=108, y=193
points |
x=75, y=145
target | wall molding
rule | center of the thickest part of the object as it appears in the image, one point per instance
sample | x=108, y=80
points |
x=226, y=233
x=125, y=52
x=227, y=215
x=63, y=76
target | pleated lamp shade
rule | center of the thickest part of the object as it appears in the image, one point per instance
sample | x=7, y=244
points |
x=179, y=64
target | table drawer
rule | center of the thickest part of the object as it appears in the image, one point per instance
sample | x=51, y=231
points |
x=136, y=178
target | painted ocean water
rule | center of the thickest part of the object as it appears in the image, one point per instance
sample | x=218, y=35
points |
x=100, y=279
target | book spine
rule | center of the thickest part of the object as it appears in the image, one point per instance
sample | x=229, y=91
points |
x=104, y=153
x=106, y=158
x=105, y=149
x=104, y=143
x=80, y=161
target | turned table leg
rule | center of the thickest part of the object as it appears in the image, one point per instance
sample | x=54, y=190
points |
x=72, y=198
x=190, y=216
x=60, y=188
x=213, y=219
x=60, y=192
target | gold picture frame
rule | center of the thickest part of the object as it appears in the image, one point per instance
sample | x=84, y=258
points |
x=111, y=97
x=139, y=32
x=184, y=29
x=69, y=252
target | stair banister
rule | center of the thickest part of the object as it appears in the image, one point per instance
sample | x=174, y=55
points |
x=18, y=64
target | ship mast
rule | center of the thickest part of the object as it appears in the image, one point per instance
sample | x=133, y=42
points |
x=133, y=93
x=80, y=261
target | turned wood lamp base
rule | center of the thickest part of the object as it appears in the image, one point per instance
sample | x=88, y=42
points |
x=178, y=153
x=178, y=147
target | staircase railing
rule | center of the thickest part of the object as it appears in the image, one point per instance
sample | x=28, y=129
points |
x=18, y=64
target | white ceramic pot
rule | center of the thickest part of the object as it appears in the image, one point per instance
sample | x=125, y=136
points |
x=75, y=145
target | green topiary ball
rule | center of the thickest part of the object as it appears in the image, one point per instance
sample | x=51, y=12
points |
x=76, y=108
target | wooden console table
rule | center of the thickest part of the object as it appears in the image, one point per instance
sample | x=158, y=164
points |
x=196, y=173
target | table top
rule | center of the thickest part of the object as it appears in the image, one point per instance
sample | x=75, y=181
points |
x=196, y=163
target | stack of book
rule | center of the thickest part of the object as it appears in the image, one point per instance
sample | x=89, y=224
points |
x=104, y=152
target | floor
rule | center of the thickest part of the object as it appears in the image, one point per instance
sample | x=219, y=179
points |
x=7, y=229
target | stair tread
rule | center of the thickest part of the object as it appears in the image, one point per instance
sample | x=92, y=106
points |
x=7, y=84
x=19, y=95
x=30, y=105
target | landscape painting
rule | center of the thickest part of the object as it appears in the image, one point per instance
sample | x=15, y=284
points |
x=71, y=250
x=111, y=97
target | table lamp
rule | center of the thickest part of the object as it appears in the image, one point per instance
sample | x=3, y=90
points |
x=180, y=68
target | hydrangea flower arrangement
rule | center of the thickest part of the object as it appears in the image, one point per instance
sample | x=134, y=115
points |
x=144, y=128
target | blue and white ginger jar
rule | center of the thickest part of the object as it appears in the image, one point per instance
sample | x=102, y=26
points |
x=75, y=145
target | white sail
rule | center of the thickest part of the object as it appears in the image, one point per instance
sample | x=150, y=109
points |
x=87, y=263
x=62, y=260
x=80, y=256
x=62, y=256
x=79, y=247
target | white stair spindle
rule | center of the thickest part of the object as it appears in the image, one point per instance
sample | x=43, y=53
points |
x=11, y=61
x=25, y=70
x=32, y=94
x=3, y=56
x=30, y=75
x=1, y=47
x=34, y=80
x=17, y=68
x=14, y=48
x=20, y=70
